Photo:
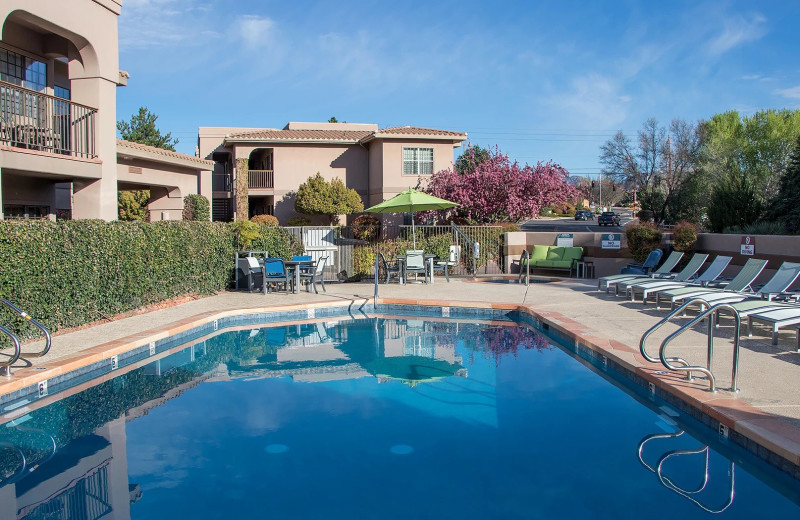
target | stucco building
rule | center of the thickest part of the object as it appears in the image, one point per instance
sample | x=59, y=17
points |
x=377, y=163
x=59, y=71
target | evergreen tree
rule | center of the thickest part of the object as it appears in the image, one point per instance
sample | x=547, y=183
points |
x=785, y=208
x=142, y=129
x=317, y=196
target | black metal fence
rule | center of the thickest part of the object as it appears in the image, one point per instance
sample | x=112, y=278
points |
x=351, y=250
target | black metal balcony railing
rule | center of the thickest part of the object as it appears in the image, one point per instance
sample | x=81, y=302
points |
x=36, y=121
x=260, y=179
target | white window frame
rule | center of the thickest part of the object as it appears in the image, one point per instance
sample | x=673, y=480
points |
x=417, y=165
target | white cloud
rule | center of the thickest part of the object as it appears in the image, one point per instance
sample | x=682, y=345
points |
x=255, y=31
x=594, y=101
x=791, y=92
x=736, y=31
x=148, y=24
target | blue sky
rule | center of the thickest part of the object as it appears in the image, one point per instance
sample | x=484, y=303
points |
x=545, y=80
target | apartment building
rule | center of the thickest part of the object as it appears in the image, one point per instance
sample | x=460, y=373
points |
x=377, y=163
x=59, y=155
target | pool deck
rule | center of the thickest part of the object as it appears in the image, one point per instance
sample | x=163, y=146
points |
x=766, y=409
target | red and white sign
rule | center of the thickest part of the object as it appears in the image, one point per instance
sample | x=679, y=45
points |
x=748, y=246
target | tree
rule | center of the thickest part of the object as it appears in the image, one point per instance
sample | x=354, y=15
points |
x=142, y=129
x=757, y=148
x=733, y=203
x=317, y=196
x=784, y=207
x=333, y=120
x=498, y=189
x=661, y=166
x=242, y=189
x=471, y=158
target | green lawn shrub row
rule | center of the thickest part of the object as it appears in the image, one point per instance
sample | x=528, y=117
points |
x=70, y=273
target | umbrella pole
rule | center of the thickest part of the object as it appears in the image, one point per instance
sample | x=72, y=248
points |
x=413, y=229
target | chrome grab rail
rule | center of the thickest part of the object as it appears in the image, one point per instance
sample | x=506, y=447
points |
x=19, y=473
x=379, y=255
x=686, y=493
x=48, y=340
x=643, y=340
x=5, y=366
x=472, y=246
x=712, y=313
x=525, y=255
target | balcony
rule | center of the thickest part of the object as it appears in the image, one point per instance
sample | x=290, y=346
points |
x=260, y=179
x=221, y=182
x=36, y=121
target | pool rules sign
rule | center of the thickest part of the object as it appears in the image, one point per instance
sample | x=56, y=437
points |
x=748, y=246
x=611, y=241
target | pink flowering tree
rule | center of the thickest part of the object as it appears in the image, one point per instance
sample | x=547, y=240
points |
x=493, y=188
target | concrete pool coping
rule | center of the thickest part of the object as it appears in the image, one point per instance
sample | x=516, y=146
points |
x=758, y=430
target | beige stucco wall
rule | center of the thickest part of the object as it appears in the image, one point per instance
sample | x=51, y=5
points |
x=392, y=154
x=85, y=33
x=168, y=185
x=293, y=164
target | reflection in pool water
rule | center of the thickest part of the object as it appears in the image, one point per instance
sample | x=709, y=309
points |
x=406, y=417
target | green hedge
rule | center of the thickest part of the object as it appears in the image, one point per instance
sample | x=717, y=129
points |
x=70, y=273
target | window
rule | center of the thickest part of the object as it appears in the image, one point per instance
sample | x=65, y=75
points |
x=417, y=161
x=22, y=70
x=19, y=211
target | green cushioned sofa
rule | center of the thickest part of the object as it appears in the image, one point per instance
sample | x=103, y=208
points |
x=554, y=257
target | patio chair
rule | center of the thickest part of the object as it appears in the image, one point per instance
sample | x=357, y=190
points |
x=711, y=273
x=249, y=273
x=646, y=266
x=783, y=278
x=317, y=275
x=778, y=318
x=275, y=273
x=686, y=274
x=664, y=271
x=453, y=259
x=415, y=263
x=741, y=282
x=303, y=258
x=388, y=269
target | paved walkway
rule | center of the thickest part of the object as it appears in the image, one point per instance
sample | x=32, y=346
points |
x=767, y=378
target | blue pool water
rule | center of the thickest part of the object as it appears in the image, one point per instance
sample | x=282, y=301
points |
x=375, y=418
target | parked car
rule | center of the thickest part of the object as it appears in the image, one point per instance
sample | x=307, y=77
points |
x=608, y=218
x=583, y=214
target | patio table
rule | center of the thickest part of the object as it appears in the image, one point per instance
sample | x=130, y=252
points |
x=296, y=266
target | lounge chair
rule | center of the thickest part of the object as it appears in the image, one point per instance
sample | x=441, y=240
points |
x=317, y=275
x=684, y=276
x=663, y=272
x=645, y=267
x=415, y=263
x=777, y=318
x=711, y=273
x=783, y=278
x=275, y=273
x=741, y=282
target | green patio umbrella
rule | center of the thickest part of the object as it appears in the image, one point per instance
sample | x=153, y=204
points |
x=412, y=369
x=410, y=201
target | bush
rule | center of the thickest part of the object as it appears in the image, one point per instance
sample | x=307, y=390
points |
x=684, y=237
x=73, y=272
x=276, y=241
x=196, y=207
x=733, y=203
x=265, y=220
x=642, y=239
x=645, y=215
x=366, y=227
x=132, y=205
x=758, y=228
x=298, y=221
x=363, y=262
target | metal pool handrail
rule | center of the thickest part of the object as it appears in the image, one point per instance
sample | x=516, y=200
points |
x=525, y=255
x=5, y=366
x=48, y=340
x=711, y=313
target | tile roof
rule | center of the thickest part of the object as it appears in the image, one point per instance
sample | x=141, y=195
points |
x=271, y=134
x=423, y=132
x=167, y=154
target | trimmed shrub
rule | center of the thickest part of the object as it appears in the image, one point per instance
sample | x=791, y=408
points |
x=196, y=207
x=366, y=227
x=132, y=205
x=74, y=272
x=642, y=239
x=298, y=221
x=645, y=215
x=684, y=237
x=265, y=220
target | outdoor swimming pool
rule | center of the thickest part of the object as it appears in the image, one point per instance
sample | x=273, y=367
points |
x=403, y=417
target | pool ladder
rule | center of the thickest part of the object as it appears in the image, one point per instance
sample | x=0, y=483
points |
x=5, y=366
x=525, y=256
x=680, y=364
x=689, y=494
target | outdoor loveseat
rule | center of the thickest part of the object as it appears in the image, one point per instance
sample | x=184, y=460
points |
x=553, y=257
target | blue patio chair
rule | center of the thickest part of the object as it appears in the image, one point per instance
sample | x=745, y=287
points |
x=645, y=267
x=303, y=258
x=275, y=273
